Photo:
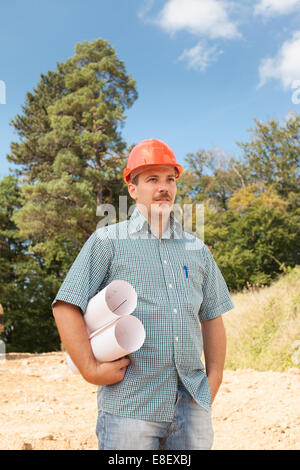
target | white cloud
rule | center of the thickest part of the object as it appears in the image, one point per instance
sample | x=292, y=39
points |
x=206, y=19
x=285, y=66
x=276, y=7
x=200, y=17
x=200, y=56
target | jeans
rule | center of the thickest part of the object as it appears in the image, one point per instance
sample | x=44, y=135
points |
x=191, y=429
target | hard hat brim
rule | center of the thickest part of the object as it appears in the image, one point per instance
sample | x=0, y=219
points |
x=127, y=172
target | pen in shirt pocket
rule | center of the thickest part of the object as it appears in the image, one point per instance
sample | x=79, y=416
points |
x=186, y=271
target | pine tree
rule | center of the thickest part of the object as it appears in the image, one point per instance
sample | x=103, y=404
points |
x=71, y=149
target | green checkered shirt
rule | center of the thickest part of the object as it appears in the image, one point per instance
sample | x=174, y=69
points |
x=178, y=284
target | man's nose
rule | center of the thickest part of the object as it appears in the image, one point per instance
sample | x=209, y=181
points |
x=163, y=186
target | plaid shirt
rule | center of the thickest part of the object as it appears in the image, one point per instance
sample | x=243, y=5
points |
x=179, y=285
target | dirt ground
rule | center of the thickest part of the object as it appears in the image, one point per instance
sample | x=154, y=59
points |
x=45, y=406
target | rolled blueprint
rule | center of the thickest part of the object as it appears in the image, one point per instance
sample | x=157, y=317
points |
x=125, y=336
x=113, y=302
x=113, y=333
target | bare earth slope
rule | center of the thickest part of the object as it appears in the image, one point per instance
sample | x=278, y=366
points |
x=44, y=406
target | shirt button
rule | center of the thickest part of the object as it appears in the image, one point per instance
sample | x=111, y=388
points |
x=175, y=310
x=170, y=285
x=165, y=261
x=176, y=338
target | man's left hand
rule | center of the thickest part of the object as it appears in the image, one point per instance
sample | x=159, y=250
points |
x=214, y=382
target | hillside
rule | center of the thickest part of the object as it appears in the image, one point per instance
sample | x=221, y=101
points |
x=263, y=330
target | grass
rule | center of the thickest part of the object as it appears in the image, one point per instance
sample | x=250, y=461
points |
x=263, y=328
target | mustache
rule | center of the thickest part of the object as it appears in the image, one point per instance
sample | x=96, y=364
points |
x=164, y=197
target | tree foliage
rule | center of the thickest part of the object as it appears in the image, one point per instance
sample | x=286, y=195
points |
x=272, y=155
x=261, y=238
x=251, y=205
x=70, y=156
x=71, y=150
x=26, y=285
x=211, y=176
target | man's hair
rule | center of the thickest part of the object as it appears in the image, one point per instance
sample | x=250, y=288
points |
x=134, y=180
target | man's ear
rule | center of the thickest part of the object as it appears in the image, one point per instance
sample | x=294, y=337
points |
x=132, y=190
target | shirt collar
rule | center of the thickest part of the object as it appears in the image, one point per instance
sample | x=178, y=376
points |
x=138, y=223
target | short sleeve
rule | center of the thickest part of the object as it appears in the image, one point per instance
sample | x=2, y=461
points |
x=216, y=297
x=87, y=272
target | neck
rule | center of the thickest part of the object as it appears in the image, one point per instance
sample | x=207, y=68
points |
x=158, y=219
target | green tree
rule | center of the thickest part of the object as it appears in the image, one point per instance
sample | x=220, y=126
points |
x=251, y=205
x=256, y=238
x=70, y=157
x=25, y=287
x=211, y=176
x=272, y=155
x=71, y=150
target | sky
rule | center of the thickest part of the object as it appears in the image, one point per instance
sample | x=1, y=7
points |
x=204, y=69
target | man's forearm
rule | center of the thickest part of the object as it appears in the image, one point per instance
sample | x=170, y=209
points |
x=73, y=334
x=214, y=346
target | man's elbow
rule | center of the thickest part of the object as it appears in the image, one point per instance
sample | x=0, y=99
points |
x=61, y=307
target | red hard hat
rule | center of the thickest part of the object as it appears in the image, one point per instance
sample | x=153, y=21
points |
x=150, y=152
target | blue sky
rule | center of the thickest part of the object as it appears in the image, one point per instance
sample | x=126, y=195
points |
x=204, y=68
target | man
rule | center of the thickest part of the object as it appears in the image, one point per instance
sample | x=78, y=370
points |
x=160, y=397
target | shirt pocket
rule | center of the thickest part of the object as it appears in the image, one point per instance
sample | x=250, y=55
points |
x=191, y=280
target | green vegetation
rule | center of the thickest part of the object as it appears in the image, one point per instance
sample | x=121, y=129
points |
x=252, y=213
x=70, y=155
x=263, y=330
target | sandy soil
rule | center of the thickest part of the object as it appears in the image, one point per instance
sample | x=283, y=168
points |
x=44, y=406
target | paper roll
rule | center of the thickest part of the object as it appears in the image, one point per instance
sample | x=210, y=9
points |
x=113, y=302
x=72, y=365
x=125, y=336
x=113, y=333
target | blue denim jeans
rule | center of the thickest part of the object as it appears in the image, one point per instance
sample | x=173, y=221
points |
x=191, y=429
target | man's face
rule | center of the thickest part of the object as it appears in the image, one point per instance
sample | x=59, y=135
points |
x=156, y=189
